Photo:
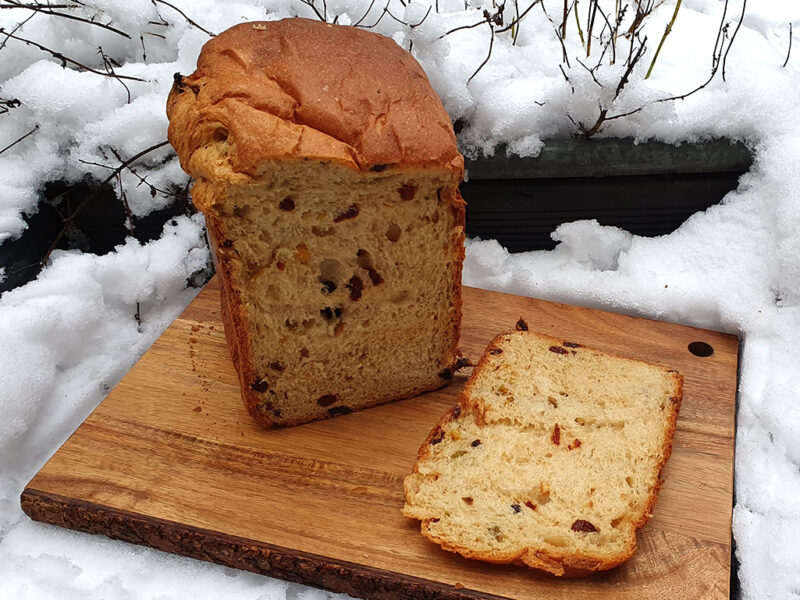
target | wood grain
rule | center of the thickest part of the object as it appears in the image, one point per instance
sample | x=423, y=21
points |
x=171, y=460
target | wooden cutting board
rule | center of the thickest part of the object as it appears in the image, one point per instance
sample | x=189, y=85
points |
x=171, y=460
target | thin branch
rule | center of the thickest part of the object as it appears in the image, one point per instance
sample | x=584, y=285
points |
x=17, y=27
x=18, y=140
x=183, y=14
x=518, y=19
x=733, y=37
x=86, y=201
x=590, y=26
x=578, y=23
x=66, y=59
x=313, y=6
x=786, y=62
x=364, y=16
x=663, y=38
x=478, y=24
x=48, y=10
x=591, y=71
x=485, y=60
x=109, y=66
x=142, y=180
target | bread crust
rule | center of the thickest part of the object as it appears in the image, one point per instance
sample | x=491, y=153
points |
x=294, y=90
x=302, y=89
x=559, y=564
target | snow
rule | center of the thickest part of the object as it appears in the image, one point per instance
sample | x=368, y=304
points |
x=69, y=336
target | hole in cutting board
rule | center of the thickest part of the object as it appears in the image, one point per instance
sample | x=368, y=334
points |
x=701, y=349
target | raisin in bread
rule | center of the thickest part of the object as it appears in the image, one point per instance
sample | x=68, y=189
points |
x=328, y=173
x=551, y=458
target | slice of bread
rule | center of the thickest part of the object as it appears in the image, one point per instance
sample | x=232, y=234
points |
x=551, y=458
x=328, y=172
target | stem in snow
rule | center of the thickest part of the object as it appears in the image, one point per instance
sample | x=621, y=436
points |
x=664, y=37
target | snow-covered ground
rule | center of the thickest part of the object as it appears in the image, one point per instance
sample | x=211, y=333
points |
x=69, y=336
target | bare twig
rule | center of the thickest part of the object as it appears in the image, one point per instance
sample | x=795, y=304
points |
x=364, y=16
x=48, y=10
x=124, y=197
x=312, y=4
x=86, y=201
x=109, y=66
x=183, y=14
x=590, y=26
x=142, y=180
x=591, y=71
x=18, y=140
x=485, y=60
x=603, y=116
x=663, y=38
x=519, y=18
x=6, y=105
x=578, y=23
x=733, y=37
x=66, y=59
x=17, y=27
x=786, y=62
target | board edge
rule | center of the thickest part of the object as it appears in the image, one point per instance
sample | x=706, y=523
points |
x=240, y=553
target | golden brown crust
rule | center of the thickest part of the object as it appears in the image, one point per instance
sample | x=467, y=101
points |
x=296, y=89
x=563, y=565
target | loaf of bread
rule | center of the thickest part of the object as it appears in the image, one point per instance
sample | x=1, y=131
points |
x=328, y=173
x=551, y=458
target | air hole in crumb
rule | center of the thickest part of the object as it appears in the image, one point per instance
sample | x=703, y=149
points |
x=221, y=135
x=331, y=270
x=322, y=232
x=364, y=259
x=242, y=212
x=287, y=204
x=701, y=349
x=303, y=352
x=393, y=233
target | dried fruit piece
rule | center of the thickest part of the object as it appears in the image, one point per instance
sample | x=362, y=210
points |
x=496, y=351
x=583, y=526
x=468, y=500
x=302, y=254
x=259, y=385
x=555, y=437
x=355, y=285
x=375, y=277
x=558, y=350
x=407, y=191
x=521, y=325
x=530, y=505
x=287, y=204
x=277, y=366
x=437, y=438
x=571, y=345
x=576, y=443
x=349, y=213
x=339, y=410
x=475, y=443
x=327, y=399
x=516, y=507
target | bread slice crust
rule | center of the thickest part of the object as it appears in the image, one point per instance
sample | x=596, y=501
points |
x=469, y=405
